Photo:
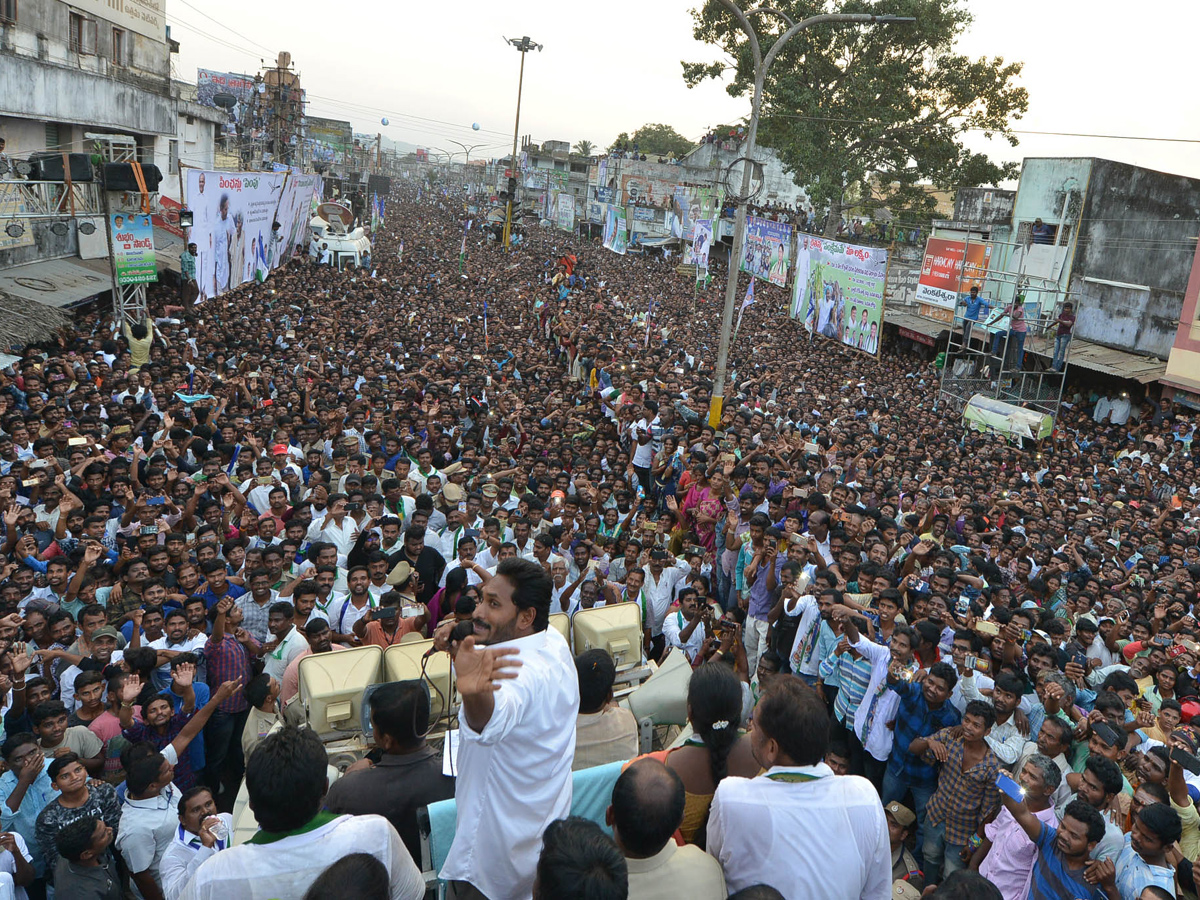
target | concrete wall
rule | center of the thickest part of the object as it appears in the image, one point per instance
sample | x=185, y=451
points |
x=1138, y=230
x=779, y=187
x=983, y=205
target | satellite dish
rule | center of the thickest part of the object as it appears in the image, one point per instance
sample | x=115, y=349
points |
x=224, y=100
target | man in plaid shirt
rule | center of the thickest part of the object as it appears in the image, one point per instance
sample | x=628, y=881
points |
x=925, y=708
x=228, y=653
x=966, y=794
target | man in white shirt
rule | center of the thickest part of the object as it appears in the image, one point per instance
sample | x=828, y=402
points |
x=761, y=829
x=337, y=527
x=684, y=628
x=659, y=590
x=201, y=833
x=286, y=779
x=147, y=821
x=286, y=640
x=174, y=641
x=516, y=733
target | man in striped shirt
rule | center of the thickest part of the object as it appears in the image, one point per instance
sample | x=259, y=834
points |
x=850, y=669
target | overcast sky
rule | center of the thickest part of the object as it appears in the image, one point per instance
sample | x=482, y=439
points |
x=435, y=68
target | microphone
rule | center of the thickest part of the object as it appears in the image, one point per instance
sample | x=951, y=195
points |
x=460, y=632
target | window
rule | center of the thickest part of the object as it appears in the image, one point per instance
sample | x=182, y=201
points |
x=82, y=34
x=8, y=11
x=52, y=142
x=118, y=46
x=173, y=158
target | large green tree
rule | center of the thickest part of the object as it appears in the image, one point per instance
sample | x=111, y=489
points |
x=874, y=112
x=655, y=140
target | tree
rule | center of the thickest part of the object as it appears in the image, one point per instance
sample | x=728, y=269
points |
x=655, y=140
x=584, y=148
x=877, y=112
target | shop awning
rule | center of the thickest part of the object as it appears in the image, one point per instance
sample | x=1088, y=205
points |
x=1106, y=360
x=912, y=322
x=56, y=282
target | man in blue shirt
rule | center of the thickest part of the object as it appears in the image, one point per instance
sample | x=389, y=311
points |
x=25, y=789
x=975, y=307
x=925, y=708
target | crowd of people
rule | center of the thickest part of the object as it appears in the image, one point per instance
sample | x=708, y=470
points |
x=923, y=659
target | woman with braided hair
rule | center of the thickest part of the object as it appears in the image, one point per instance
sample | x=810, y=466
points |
x=717, y=746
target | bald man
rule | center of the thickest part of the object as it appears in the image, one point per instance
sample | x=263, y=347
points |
x=647, y=808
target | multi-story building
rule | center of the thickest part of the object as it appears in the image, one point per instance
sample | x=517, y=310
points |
x=84, y=77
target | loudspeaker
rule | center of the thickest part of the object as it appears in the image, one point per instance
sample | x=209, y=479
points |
x=49, y=167
x=379, y=184
x=120, y=177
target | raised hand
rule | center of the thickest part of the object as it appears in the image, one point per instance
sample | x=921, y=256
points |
x=479, y=670
x=131, y=689
x=184, y=674
x=227, y=689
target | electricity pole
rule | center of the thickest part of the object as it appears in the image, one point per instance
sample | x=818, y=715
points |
x=761, y=65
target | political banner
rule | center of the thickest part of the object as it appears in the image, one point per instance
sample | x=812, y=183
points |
x=695, y=252
x=839, y=291
x=232, y=218
x=947, y=272
x=767, y=253
x=616, y=237
x=293, y=215
x=566, y=212
x=605, y=195
x=210, y=83
x=133, y=248
x=690, y=204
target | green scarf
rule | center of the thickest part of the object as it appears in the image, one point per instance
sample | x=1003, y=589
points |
x=324, y=817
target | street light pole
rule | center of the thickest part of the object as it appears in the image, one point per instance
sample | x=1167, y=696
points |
x=761, y=66
x=524, y=45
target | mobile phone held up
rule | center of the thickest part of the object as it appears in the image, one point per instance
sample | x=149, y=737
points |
x=1010, y=787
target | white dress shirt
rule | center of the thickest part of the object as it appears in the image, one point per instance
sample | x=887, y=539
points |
x=184, y=855
x=287, y=867
x=762, y=831
x=674, y=625
x=146, y=830
x=514, y=777
x=659, y=594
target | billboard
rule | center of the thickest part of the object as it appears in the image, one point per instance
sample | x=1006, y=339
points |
x=767, y=253
x=210, y=82
x=695, y=251
x=616, y=237
x=566, y=212
x=948, y=271
x=295, y=210
x=839, y=290
x=328, y=140
x=133, y=248
x=232, y=217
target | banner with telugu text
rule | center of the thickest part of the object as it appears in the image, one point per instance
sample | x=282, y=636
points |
x=232, y=215
x=133, y=248
x=839, y=289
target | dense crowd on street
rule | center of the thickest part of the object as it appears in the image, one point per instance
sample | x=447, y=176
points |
x=921, y=657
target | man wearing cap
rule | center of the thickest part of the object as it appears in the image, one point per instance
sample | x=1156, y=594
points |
x=902, y=824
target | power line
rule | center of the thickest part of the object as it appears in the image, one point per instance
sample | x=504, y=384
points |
x=1075, y=134
x=223, y=25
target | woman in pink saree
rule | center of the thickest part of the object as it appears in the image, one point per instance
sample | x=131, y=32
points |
x=702, y=507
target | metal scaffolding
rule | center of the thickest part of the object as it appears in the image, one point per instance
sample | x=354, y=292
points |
x=984, y=356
